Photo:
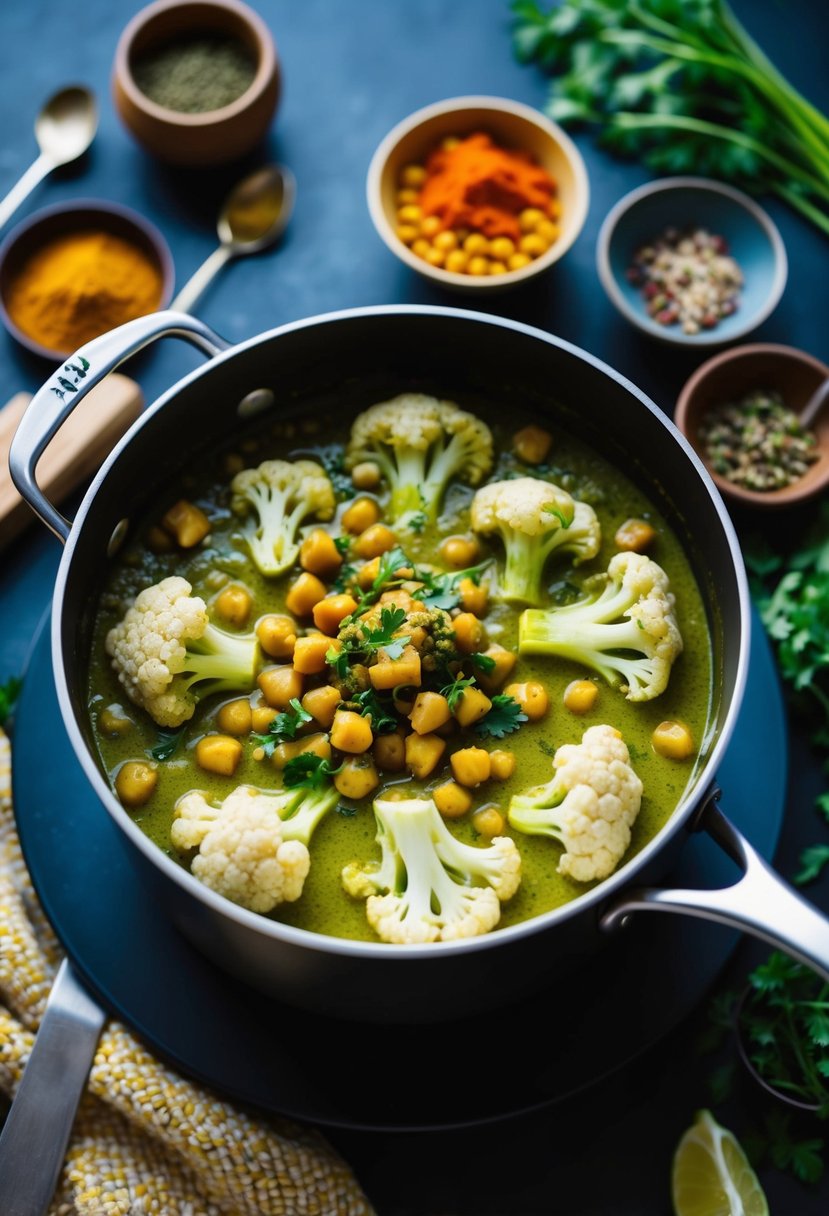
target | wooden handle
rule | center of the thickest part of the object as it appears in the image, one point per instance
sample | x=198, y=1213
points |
x=76, y=452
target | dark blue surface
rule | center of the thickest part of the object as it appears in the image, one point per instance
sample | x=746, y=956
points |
x=351, y=71
x=149, y=976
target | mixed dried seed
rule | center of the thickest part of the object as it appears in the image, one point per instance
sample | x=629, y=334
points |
x=757, y=442
x=687, y=277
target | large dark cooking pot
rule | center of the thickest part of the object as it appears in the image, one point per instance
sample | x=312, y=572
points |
x=351, y=359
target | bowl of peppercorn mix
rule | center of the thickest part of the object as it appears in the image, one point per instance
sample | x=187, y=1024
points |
x=477, y=193
x=196, y=81
x=691, y=261
x=741, y=412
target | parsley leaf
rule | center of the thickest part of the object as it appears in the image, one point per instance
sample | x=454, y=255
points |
x=338, y=660
x=812, y=863
x=168, y=744
x=380, y=637
x=382, y=722
x=482, y=662
x=342, y=545
x=454, y=691
x=9, y=692
x=307, y=771
x=505, y=716
x=283, y=726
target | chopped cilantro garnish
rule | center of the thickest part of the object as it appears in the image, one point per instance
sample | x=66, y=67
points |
x=505, y=716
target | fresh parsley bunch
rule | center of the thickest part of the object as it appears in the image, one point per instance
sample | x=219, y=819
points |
x=681, y=85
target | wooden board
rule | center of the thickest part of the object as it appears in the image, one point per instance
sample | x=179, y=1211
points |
x=76, y=452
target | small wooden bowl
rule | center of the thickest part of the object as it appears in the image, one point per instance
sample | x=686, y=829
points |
x=511, y=125
x=216, y=136
x=728, y=377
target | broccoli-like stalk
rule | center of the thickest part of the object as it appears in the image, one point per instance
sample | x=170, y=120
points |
x=426, y=877
x=589, y=806
x=282, y=494
x=534, y=519
x=253, y=846
x=624, y=628
x=167, y=655
x=419, y=444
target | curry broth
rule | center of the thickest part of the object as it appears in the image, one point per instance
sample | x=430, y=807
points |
x=348, y=832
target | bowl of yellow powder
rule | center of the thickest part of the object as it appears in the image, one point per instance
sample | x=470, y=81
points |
x=73, y=271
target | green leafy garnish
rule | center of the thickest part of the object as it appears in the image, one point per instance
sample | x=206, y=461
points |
x=168, y=743
x=346, y=576
x=380, y=637
x=441, y=590
x=812, y=863
x=347, y=812
x=416, y=522
x=370, y=705
x=454, y=691
x=505, y=716
x=9, y=692
x=284, y=726
x=308, y=771
x=682, y=86
x=482, y=662
x=342, y=545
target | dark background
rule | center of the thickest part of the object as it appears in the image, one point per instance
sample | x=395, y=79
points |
x=352, y=70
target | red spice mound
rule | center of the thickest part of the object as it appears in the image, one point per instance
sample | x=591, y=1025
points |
x=478, y=185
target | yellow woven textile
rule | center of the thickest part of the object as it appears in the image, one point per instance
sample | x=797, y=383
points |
x=146, y=1140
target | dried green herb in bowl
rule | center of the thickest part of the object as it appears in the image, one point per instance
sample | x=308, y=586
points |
x=195, y=74
x=757, y=442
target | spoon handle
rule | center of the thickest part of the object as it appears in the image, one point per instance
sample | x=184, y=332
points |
x=196, y=284
x=814, y=405
x=34, y=174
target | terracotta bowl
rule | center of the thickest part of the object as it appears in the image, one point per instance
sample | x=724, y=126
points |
x=511, y=125
x=729, y=376
x=216, y=136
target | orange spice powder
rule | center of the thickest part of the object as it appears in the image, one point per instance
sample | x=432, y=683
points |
x=475, y=184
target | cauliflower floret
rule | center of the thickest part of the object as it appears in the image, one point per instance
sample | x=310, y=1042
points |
x=253, y=848
x=419, y=444
x=533, y=519
x=630, y=609
x=589, y=806
x=282, y=494
x=165, y=645
x=426, y=876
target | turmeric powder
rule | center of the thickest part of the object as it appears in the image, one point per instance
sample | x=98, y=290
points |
x=474, y=184
x=80, y=285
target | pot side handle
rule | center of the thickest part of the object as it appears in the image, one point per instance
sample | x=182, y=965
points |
x=55, y=401
x=760, y=902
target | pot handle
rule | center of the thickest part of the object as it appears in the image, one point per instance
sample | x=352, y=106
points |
x=760, y=902
x=55, y=401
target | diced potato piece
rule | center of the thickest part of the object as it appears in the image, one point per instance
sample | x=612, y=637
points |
x=452, y=800
x=470, y=765
x=219, y=754
x=460, y=551
x=501, y=764
x=319, y=555
x=304, y=594
x=430, y=712
x=488, y=821
x=362, y=513
x=186, y=522
x=321, y=704
x=351, y=732
x=423, y=753
x=328, y=613
x=673, y=740
x=357, y=777
x=532, y=443
x=389, y=752
x=310, y=652
x=234, y=605
x=235, y=717
x=368, y=573
x=470, y=634
x=317, y=744
x=635, y=535
x=388, y=673
x=471, y=706
x=277, y=635
x=280, y=684
x=504, y=660
x=135, y=783
x=531, y=696
x=580, y=696
x=114, y=720
x=261, y=717
x=474, y=596
x=375, y=541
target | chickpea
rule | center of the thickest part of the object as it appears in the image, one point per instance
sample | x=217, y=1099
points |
x=407, y=233
x=435, y=257
x=410, y=214
x=430, y=226
x=635, y=535
x=529, y=218
x=449, y=143
x=460, y=551
x=374, y=541
x=452, y=800
x=135, y=783
x=533, y=244
x=234, y=604
x=502, y=247
x=234, y=717
x=362, y=513
x=413, y=175
x=489, y=821
x=456, y=261
x=532, y=444
x=547, y=230
x=470, y=766
x=277, y=636
x=366, y=475
x=518, y=261
x=496, y=267
x=477, y=266
x=476, y=242
x=474, y=596
x=114, y=720
x=470, y=634
x=421, y=247
x=580, y=696
x=531, y=696
x=447, y=241
x=407, y=195
x=673, y=740
x=501, y=764
x=304, y=593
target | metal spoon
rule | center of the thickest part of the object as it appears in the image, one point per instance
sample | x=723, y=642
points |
x=64, y=129
x=253, y=217
x=814, y=405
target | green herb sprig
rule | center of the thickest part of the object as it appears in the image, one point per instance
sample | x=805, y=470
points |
x=505, y=717
x=283, y=727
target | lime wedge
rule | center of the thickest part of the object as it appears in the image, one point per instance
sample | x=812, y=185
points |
x=711, y=1174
